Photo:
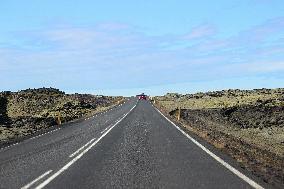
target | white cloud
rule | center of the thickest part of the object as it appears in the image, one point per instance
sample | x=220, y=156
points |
x=265, y=67
x=111, y=55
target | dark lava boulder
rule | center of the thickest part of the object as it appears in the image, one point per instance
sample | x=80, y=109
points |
x=4, y=119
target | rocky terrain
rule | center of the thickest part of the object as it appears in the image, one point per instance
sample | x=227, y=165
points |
x=28, y=111
x=246, y=124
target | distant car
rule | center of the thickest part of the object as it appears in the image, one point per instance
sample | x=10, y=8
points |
x=142, y=96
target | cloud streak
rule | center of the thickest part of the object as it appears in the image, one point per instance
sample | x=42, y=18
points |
x=200, y=32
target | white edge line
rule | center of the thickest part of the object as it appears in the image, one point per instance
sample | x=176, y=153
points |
x=41, y=134
x=65, y=167
x=82, y=147
x=37, y=179
x=225, y=164
x=37, y=136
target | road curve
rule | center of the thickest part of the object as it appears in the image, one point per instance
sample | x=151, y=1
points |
x=130, y=146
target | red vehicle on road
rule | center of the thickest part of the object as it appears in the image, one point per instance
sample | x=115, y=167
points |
x=142, y=96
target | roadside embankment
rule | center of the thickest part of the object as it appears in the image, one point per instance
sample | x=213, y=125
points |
x=28, y=111
x=247, y=125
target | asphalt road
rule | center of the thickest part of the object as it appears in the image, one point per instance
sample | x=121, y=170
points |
x=129, y=146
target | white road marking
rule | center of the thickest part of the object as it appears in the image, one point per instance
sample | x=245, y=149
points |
x=47, y=132
x=105, y=130
x=82, y=147
x=29, y=139
x=9, y=146
x=35, y=180
x=44, y=133
x=225, y=164
x=65, y=167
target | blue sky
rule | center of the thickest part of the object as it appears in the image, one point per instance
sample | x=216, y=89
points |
x=127, y=47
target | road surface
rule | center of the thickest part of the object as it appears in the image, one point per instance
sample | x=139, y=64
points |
x=130, y=146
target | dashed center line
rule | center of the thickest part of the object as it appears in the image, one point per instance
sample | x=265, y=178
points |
x=72, y=155
x=65, y=167
x=37, y=179
x=105, y=130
